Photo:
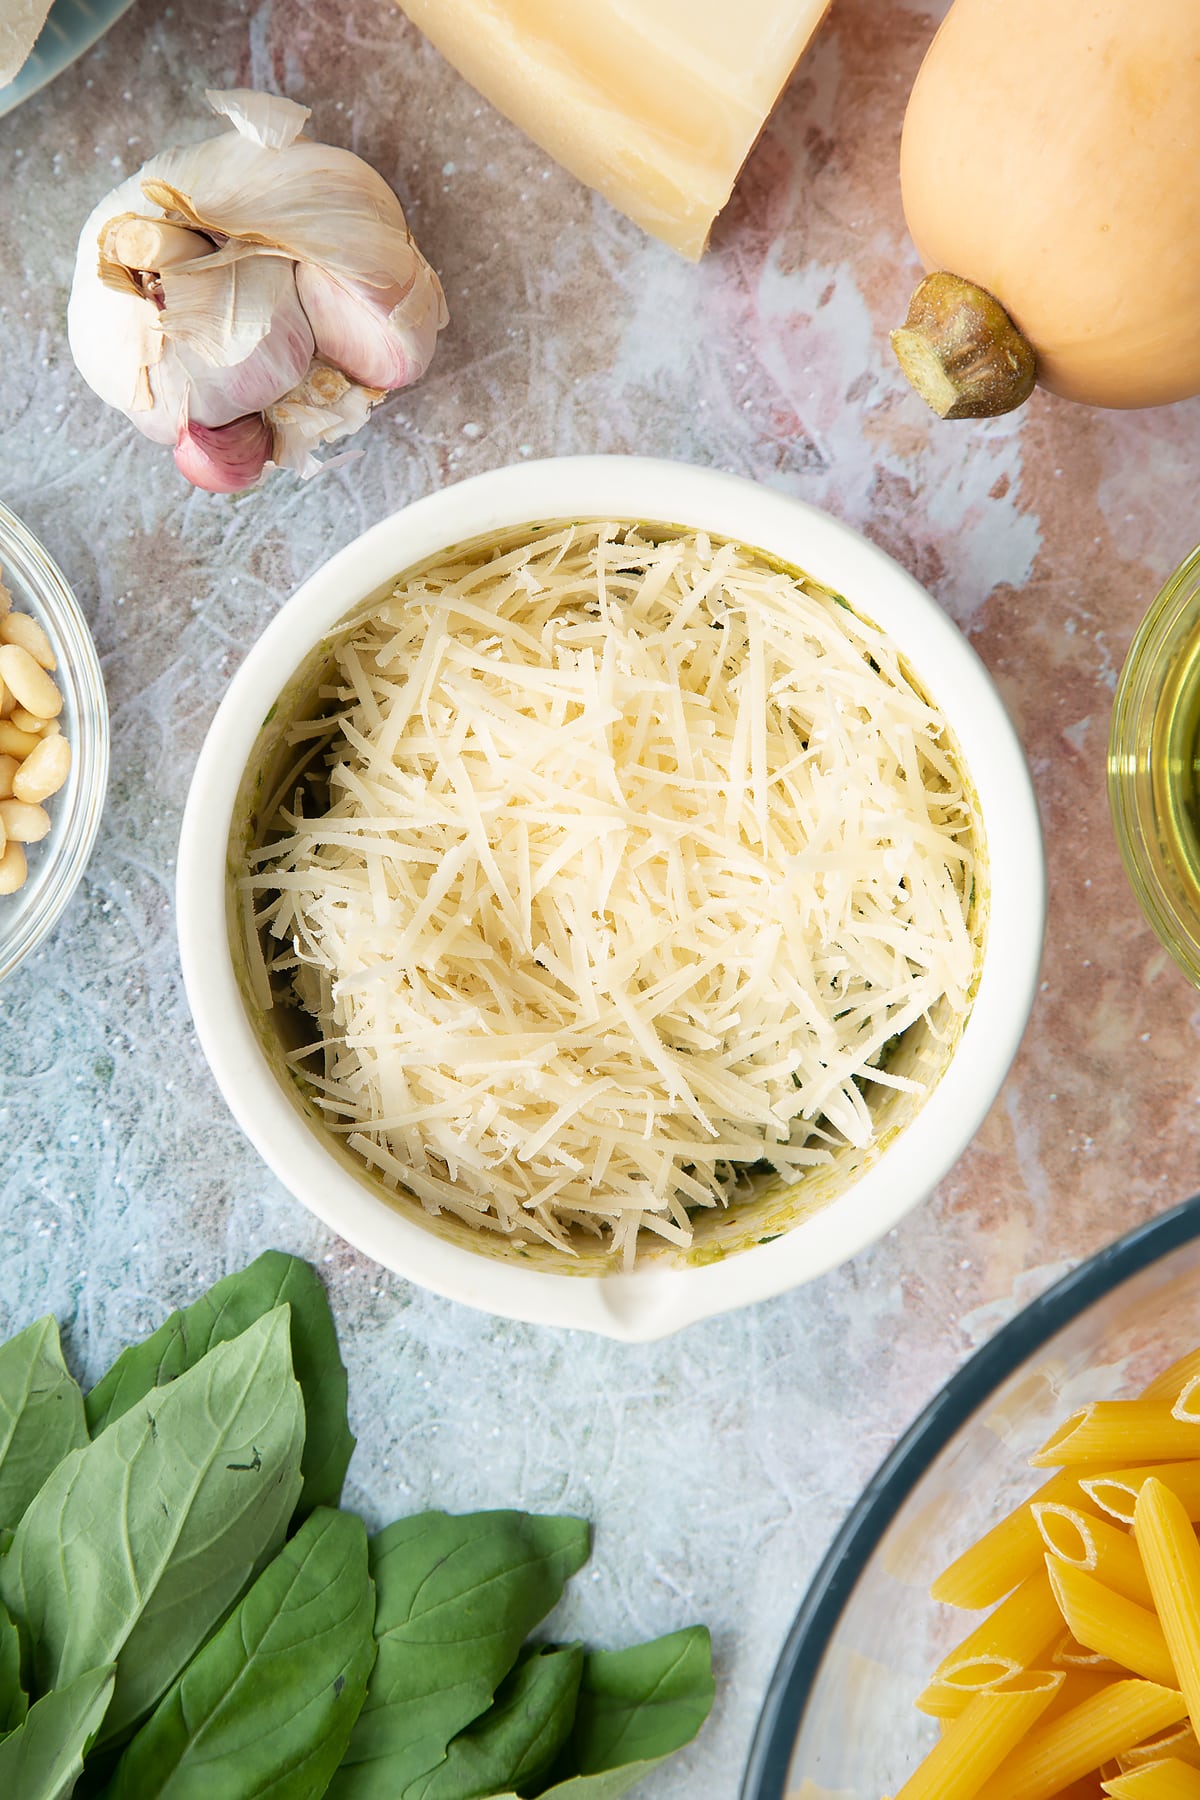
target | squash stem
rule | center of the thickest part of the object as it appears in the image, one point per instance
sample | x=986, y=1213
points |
x=961, y=351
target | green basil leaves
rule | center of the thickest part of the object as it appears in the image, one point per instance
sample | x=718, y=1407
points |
x=268, y=1705
x=455, y=1600
x=41, y=1415
x=138, y=1544
x=224, y=1312
x=185, y=1614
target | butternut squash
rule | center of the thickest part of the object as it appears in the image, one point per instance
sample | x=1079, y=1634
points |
x=1050, y=168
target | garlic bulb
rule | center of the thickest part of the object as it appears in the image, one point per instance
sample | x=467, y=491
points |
x=251, y=298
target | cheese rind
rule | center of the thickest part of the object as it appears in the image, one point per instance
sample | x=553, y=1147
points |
x=654, y=103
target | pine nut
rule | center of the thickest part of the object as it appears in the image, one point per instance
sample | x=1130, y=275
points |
x=35, y=758
x=43, y=771
x=14, y=742
x=23, y=823
x=13, y=868
x=28, y=680
x=19, y=628
x=24, y=720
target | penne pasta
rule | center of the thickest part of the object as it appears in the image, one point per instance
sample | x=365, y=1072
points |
x=1172, y=1557
x=1019, y=1631
x=1179, y=1741
x=1068, y=1748
x=1111, y=1625
x=1098, y=1547
x=1094, y=1582
x=1168, y=1779
x=1171, y=1383
x=1069, y=1653
x=946, y=1700
x=1079, y=1685
x=1116, y=1492
x=1007, y=1554
x=1116, y=1431
x=974, y=1747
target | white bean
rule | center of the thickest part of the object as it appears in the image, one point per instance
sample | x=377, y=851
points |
x=43, y=771
x=19, y=628
x=22, y=822
x=13, y=868
x=8, y=768
x=28, y=680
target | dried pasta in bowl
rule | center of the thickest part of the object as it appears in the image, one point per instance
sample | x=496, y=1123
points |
x=1083, y=1680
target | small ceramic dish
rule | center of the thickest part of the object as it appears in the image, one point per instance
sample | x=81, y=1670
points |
x=71, y=28
x=38, y=587
x=784, y=1235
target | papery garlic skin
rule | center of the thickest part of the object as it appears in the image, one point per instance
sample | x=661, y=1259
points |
x=277, y=261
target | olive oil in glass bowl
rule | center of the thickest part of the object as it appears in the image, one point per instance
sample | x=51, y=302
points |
x=1154, y=766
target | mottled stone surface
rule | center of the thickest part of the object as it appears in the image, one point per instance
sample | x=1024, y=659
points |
x=716, y=1466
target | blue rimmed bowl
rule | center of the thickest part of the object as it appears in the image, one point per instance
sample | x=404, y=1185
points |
x=838, y=1719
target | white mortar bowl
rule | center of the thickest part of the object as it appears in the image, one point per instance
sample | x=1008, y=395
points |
x=753, y=1250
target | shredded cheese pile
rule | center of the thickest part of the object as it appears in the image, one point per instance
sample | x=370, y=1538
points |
x=634, y=859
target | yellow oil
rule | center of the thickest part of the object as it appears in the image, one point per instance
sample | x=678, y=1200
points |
x=1175, y=768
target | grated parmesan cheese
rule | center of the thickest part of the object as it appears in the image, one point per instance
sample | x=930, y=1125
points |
x=610, y=869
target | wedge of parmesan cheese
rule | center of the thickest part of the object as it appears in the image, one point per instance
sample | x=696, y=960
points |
x=20, y=23
x=611, y=870
x=655, y=103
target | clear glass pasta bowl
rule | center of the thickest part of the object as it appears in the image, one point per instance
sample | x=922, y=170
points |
x=38, y=587
x=838, y=1722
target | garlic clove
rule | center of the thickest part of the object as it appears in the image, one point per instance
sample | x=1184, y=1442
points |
x=226, y=458
x=135, y=250
x=238, y=336
x=186, y=309
x=383, y=337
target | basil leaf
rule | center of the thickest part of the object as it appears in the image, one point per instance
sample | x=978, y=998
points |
x=636, y=1708
x=14, y=1703
x=268, y=1704
x=224, y=1312
x=610, y=1785
x=140, y=1543
x=455, y=1599
x=41, y=1415
x=43, y=1758
x=641, y=1704
x=518, y=1739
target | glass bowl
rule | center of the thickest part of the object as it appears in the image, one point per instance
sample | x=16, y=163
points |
x=38, y=587
x=1154, y=766
x=839, y=1719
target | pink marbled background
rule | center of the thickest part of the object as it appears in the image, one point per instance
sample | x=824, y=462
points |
x=716, y=1465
